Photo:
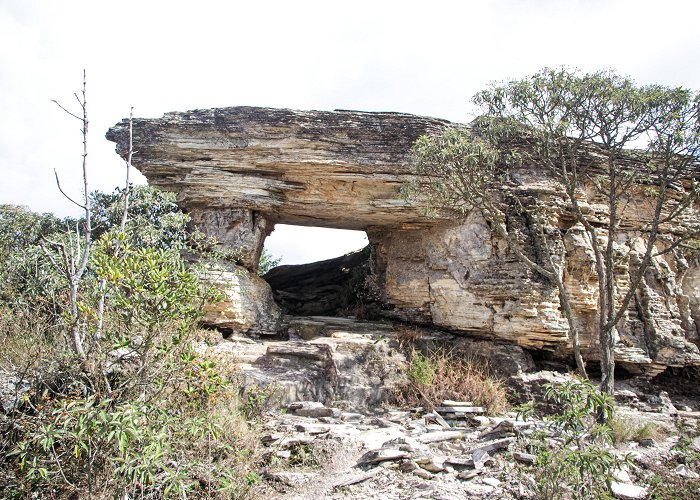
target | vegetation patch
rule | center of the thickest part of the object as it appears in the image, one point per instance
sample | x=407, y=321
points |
x=142, y=410
x=442, y=375
x=574, y=454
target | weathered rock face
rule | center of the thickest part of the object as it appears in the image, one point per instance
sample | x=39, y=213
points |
x=239, y=171
x=247, y=305
x=327, y=288
x=340, y=169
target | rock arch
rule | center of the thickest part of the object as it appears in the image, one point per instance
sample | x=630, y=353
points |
x=239, y=171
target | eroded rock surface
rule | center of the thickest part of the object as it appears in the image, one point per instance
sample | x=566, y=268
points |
x=239, y=171
x=327, y=359
x=247, y=305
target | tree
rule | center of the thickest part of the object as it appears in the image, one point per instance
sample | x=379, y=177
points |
x=73, y=256
x=27, y=281
x=645, y=141
x=267, y=262
x=460, y=172
x=155, y=220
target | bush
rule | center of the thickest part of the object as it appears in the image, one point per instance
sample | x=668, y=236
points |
x=441, y=375
x=267, y=262
x=27, y=279
x=574, y=457
x=146, y=413
x=171, y=427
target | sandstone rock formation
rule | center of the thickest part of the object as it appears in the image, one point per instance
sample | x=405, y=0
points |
x=247, y=305
x=239, y=171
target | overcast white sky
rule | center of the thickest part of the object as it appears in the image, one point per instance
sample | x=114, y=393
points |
x=418, y=57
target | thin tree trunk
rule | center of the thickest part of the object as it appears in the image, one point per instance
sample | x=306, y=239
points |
x=122, y=228
x=573, y=329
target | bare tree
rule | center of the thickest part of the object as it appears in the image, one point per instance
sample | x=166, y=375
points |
x=74, y=255
x=122, y=226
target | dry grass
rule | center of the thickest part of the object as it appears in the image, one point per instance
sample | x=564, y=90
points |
x=625, y=430
x=442, y=375
x=407, y=336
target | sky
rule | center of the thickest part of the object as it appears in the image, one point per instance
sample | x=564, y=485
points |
x=426, y=58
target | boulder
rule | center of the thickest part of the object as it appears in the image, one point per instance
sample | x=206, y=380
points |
x=248, y=305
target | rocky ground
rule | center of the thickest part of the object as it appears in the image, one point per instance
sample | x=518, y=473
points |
x=331, y=431
x=334, y=437
x=316, y=451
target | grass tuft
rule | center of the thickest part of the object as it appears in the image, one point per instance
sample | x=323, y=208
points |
x=625, y=430
x=442, y=375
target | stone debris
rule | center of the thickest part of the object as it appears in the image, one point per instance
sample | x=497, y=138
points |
x=358, y=478
x=480, y=457
x=423, y=474
x=502, y=429
x=313, y=429
x=459, y=410
x=647, y=443
x=626, y=491
x=468, y=475
x=418, y=444
x=683, y=471
x=524, y=458
x=480, y=421
x=351, y=417
x=389, y=453
x=434, y=437
x=381, y=455
x=12, y=390
x=493, y=446
x=491, y=481
x=313, y=409
x=431, y=464
x=436, y=417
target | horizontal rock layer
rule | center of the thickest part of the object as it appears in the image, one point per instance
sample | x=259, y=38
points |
x=340, y=169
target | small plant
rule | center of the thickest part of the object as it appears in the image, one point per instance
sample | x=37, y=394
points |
x=259, y=399
x=624, y=430
x=421, y=370
x=267, y=262
x=574, y=457
x=252, y=478
x=688, y=453
x=303, y=455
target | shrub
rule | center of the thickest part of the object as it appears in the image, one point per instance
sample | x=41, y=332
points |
x=574, y=458
x=146, y=413
x=267, y=262
x=172, y=427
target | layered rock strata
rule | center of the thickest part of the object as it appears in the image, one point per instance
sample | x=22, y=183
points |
x=239, y=171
